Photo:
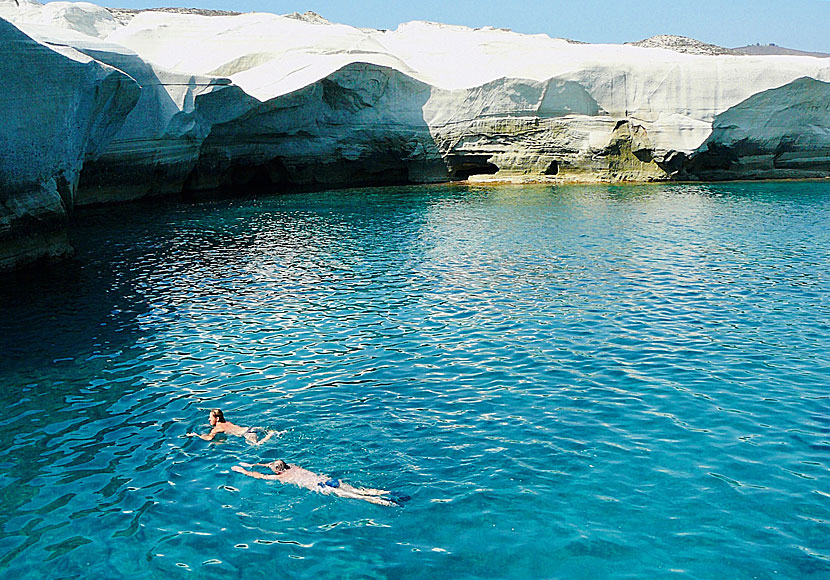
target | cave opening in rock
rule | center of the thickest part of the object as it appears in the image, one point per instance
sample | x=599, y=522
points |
x=465, y=170
x=240, y=176
x=553, y=168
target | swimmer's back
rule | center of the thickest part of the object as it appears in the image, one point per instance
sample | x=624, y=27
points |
x=301, y=477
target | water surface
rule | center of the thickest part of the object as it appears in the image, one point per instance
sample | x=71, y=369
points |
x=570, y=382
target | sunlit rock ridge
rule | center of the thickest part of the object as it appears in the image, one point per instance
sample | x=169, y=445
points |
x=105, y=105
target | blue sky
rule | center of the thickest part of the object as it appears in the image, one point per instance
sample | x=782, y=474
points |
x=802, y=24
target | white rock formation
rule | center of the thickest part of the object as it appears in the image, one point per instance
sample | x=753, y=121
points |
x=294, y=101
x=783, y=132
x=82, y=17
x=304, y=114
x=59, y=108
x=674, y=97
x=158, y=144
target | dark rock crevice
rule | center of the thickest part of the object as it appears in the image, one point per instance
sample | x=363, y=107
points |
x=241, y=175
x=462, y=167
x=553, y=168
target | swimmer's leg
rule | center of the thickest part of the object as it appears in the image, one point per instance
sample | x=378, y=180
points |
x=378, y=500
x=268, y=435
x=346, y=490
x=366, y=494
x=370, y=491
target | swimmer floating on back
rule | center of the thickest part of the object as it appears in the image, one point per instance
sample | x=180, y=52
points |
x=221, y=425
x=289, y=473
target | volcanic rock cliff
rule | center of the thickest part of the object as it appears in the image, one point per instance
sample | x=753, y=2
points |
x=105, y=105
x=60, y=108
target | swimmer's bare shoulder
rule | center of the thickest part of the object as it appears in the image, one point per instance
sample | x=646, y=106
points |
x=219, y=424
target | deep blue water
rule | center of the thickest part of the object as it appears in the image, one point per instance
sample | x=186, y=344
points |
x=570, y=382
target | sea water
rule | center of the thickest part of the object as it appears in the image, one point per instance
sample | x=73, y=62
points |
x=569, y=382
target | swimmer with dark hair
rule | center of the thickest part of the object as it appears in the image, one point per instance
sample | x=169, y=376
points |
x=221, y=425
x=294, y=474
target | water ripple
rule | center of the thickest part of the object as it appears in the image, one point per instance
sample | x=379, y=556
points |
x=570, y=382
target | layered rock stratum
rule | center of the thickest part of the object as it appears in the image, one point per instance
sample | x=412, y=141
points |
x=106, y=105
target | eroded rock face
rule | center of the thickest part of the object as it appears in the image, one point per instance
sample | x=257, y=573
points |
x=159, y=143
x=777, y=134
x=58, y=109
x=518, y=128
x=363, y=124
x=499, y=101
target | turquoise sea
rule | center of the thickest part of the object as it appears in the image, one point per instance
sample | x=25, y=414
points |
x=581, y=382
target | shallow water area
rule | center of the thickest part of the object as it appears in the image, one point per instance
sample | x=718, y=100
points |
x=569, y=382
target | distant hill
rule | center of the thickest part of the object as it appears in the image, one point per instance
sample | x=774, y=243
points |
x=124, y=15
x=309, y=16
x=682, y=44
x=771, y=49
x=691, y=46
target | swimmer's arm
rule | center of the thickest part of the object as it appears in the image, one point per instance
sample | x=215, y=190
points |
x=208, y=437
x=256, y=474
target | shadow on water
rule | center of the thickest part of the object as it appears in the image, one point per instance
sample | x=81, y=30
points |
x=60, y=331
x=82, y=309
x=86, y=308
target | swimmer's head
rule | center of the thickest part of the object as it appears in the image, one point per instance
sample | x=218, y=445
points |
x=216, y=416
x=278, y=466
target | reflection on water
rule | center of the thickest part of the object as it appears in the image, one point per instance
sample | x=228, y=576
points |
x=571, y=382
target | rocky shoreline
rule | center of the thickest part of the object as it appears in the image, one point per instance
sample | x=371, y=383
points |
x=103, y=106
